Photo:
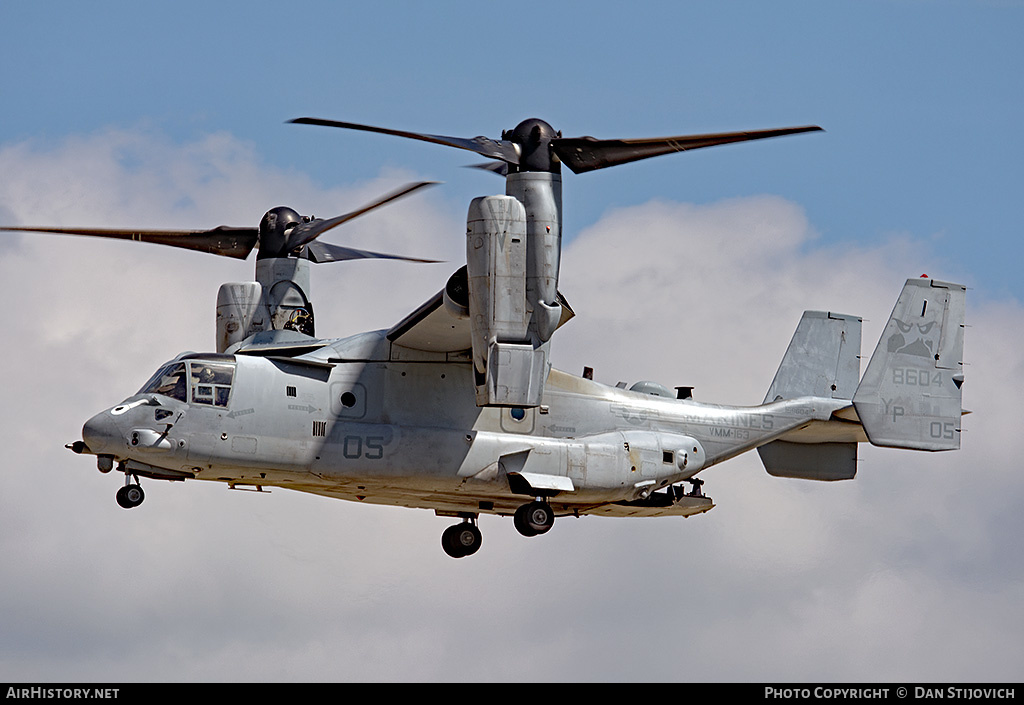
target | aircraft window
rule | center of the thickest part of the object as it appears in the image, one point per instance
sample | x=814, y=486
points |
x=211, y=382
x=170, y=380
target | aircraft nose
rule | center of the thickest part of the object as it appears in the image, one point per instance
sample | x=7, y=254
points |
x=101, y=433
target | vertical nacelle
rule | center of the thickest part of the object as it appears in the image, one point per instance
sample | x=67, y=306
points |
x=285, y=282
x=496, y=269
x=278, y=300
x=541, y=195
x=241, y=312
x=509, y=369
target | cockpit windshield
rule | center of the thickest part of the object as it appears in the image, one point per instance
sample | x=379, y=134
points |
x=170, y=380
x=199, y=381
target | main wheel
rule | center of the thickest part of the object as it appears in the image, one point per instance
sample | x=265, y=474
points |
x=540, y=517
x=461, y=540
x=534, y=518
x=519, y=520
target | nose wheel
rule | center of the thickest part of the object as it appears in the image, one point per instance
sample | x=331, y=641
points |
x=131, y=495
x=461, y=540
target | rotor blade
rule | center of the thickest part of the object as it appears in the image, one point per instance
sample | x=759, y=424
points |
x=587, y=153
x=499, y=168
x=321, y=252
x=495, y=149
x=307, y=232
x=223, y=240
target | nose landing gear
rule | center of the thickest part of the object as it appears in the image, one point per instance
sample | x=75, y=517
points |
x=131, y=495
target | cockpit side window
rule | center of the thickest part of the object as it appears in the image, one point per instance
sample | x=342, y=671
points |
x=211, y=382
x=208, y=380
x=171, y=380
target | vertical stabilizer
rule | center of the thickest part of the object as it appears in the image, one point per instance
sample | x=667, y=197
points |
x=823, y=359
x=910, y=394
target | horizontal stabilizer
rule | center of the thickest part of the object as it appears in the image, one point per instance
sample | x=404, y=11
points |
x=910, y=395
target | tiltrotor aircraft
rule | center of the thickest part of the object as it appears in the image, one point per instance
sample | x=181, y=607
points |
x=456, y=408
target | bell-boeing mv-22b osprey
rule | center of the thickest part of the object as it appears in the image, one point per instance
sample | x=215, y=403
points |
x=456, y=408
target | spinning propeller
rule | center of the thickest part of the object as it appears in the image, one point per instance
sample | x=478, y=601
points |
x=535, y=146
x=282, y=232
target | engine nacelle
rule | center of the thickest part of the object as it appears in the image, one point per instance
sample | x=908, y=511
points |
x=279, y=300
x=541, y=194
x=509, y=361
x=240, y=313
x=455, y=296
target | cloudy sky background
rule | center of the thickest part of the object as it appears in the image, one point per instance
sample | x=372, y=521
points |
x=689, y=269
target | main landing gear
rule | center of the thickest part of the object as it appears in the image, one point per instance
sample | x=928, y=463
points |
x=131, y=495
x=461, y=540
x=534, y=518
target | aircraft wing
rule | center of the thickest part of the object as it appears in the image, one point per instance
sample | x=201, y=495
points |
x=433, y=327
x=437, y=326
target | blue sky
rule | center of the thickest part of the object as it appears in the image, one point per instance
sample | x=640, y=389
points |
x=686, y=269
x=920, y=100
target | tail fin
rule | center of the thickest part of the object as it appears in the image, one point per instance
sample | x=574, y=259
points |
x=910, y=395
x=823, y=360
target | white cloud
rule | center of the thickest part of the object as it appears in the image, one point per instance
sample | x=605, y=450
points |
x=879, y=578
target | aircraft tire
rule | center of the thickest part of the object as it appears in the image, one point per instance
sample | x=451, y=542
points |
x=461, y=540
x=534, y=518
x=519, y=520
x=130, y=496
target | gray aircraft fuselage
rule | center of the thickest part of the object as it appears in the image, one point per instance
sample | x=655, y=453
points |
x=358, y=422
